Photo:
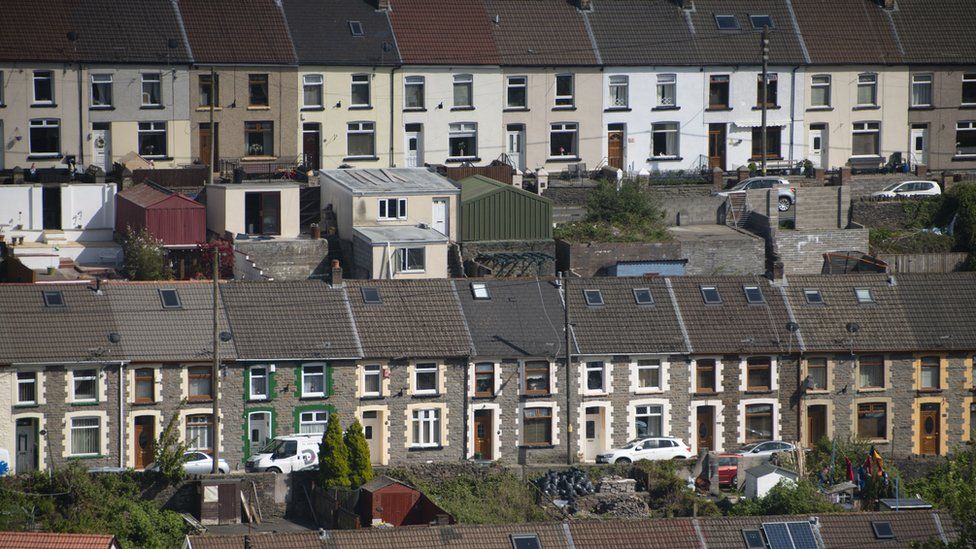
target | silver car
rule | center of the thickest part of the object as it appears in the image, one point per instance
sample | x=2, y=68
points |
x=787, y=194
x=198, y=463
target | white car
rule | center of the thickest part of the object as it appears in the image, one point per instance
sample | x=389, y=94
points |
x=785, y=193
x=767, y=448
x=652, y=448
x=907, y=189
x=198, y=463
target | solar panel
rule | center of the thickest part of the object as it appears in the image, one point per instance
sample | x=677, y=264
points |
x=802, y=534
x=778, y=535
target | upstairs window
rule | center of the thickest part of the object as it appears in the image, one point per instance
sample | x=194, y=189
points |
x=820, y=90
x=516, y=92
x=968, y=89
x=930, y=373
x=413, y=92
x=101, y=91
x=710, y=295
x=152, y=89
x=772, y=87
x=425, y=379
x=200, y=383
x=817, y=372
x=463, y=91
x=867, y=90
x=313, y=380
x=564, y=90
x=759, y=374
x=258, y=378
x=484, y=379
x=596, y=377
x=169, y=298
x=649, y=374
x=593, y=297
x=257, y=90
x=312, y=91
x=718, y=92
x=871, y=372
x=85, y=385
x=43, y=87
x=372, y=380
x=921, y=90
x=392, y=208
x=360, y=91
x=667, y=90
x=536, y=378
x=619, y=86
x=726, y=22
x=705, y=375
x=209, y=93
x=145, y=389
x=26, y=388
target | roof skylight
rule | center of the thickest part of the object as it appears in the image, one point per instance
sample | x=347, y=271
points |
x=813, y=296
x=479, y=290
x=710, y=295
x=371, y=296
x=754, y=295
x=761, y=21
x=863, y=295
x=169, y=298
x=643, y=296
x=726, y=22
x=356, y=28
x=53, y=299
x=593, y=297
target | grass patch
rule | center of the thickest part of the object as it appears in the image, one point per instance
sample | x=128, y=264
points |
x=909, y=241
x=626, y=213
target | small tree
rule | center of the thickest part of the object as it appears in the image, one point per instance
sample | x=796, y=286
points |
x=361, y=470
x=168, y=453
x=145, y=258
x=334, y=456
x=205, y=263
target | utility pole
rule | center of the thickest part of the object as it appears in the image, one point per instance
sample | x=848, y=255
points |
x=765, y=92
x=569, y=376
x=216, y=361
x=210, y=161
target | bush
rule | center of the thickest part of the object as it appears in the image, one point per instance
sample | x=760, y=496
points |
x=361, y=470
x=145, y=258
x=334, y=456
x=205, y=263
x=668, y=493
x=627, y=214
x=952, y=487
x=785, y=499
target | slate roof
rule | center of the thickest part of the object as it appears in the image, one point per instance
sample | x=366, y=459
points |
x=77, y=332
x=369, y=182
x=742, y=46
x=151, y=333
x=848, y=31
x=940, y=308
x=733, y=326
x=428, y=33
x=884, y=325
x=107, y=31
x=416, y=319
x=620, y=325
x=854, y=529
x=638, y=32
x=50, y=540
x=540, y=32
x=321, y=33
x=260, y=540
x=522, y=318
x=936, y=34
x=237, y=32
x=290, y=319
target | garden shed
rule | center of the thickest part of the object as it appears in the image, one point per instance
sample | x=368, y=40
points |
x=171, y=217
x=385, y=500
x=492, y=210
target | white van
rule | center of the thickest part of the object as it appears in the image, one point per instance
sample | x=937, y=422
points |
x=285, y=454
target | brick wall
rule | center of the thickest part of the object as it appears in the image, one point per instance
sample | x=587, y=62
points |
x=681, y=204
x=705, y=257
x=801, y=251
x=822, y=207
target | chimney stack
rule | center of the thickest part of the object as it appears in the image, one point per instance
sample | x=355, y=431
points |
x=779, y=271
x=585, y=5
x=383, y=5
x=336, y=274
x=887, y=4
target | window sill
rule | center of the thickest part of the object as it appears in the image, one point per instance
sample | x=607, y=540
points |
x=462, y=109
x=866, y=108
x=415, y=109
x=706, y=393
x=258, y=400
x=967, y=106
x=312, y=396
x=718, y=109
x=515, y=109
x=922, y=108
x=537, y=395
x=462, y=159
x=259, y=158
x=92, y=456
x=757, y=391
x=665, y=159
x=815, y=109
x=104, y=108
x=966, y=158
x=769, y=108
x=537, y=446
x=564, y=108
x=424, y=448
x=595, y=393
x=144, y=403
x=617, y=109
x=817, y=392
x=259, y=108
x=353, y=158
x=935, y=391
x=27, y=405
x=44, y=105
x=151, y=108
x=206, y=108
x=648, y=391
x=361, y=107
x=871, y=390
x=666, y=109
x=483, y=397
x=371, y=397
x=85, y=403
x=424, y=395
x=563, y=159
x=44, y=156
x=312, y=109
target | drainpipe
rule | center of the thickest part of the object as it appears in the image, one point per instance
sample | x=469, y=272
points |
x=81, y=125
x=121, y=413
x=792, y=110
x=392, y=111
x=467, y=404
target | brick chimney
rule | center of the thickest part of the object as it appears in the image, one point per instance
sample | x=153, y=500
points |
x=336, y=274
x=585, y=5
x=383, y=5
x=685, y=4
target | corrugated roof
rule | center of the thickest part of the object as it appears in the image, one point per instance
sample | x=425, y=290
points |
x=540, y=32
x=477, y=186
x=239, y=32
x=321, y=32
x=428, y=33
x=290, y=319
x=390, y=180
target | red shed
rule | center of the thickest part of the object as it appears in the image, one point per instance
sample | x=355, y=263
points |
x=172, y=217
x=397, y=503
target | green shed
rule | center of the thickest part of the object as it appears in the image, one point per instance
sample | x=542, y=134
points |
x=492, y=210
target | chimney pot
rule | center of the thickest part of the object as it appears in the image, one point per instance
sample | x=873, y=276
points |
x=336, y=274
x=887, y=4
x=383, y=5
x=779, y=270
x=585, y=5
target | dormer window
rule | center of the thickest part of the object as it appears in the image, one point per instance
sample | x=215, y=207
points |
x=53, y=299
x=593, y=298
x=863, y=295
x=356, y=28
x=710, y=295
x=754, y=295
x=726, y=22
x=479, y=290
x=371, y=296
x=813, y=297
x=170, y=299
x=761, y=21
x=643, y=296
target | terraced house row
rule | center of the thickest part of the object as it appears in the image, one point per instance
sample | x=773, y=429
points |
x=656, y=85
x=448, y=370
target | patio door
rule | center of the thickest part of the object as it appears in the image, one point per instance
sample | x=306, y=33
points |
x=920, y=144
x=414, y=146
x=515, y=145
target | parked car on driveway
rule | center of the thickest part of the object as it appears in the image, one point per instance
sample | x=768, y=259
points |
x=908, y=189
x=728, y=470
x=767, y=448
x=786, y=193
x=198, y=463
x=652, y=448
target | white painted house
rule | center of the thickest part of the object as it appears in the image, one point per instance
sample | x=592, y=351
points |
x=51, y=223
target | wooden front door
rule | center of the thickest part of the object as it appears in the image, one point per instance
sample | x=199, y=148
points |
x=483, y=434
x=311, y=146
x=716, y=146
x=816, y=424
x=705, y=428
x=208, y=155
x=929, y=434
x=615, y=149
x=145, y=436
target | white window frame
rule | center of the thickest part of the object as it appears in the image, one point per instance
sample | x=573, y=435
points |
x=512, y=82
x=661, y=368
x=250, y=420
x=825, y=82
x=920, y=80
x=866, y=127
x=211, y=426
x=361, y=128
x=603, y=366
x=658, y=127
x=403, y=259
x=565, y=101
x=618, y=89
x=648, y=413
x=667, y=91
x=146, y=128
x=152, y=78
x=565, y=128
x=969, y=77
x=314, y=418
x=97, y=80
x=74, y=383
x=966, y=126
x=97, y=427
x=428, y=424
x=867, y=79
x=415, y=81
x=426, y=368
x=383, y=206
x=463, y=130
x=32, y=381
x=306, y=375
x=42, y=75
x=267, y=382
x=371, y=370
x=43, y=123
x=312, y=82
x=361, y=79
x=464, y=79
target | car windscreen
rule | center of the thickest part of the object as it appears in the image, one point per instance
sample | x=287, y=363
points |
x=892, y=186
x=271, y=447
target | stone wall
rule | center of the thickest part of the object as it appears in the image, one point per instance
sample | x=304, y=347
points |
x=471, y=250
x=802, y=251
x=704, y=257
x=277, y=495
x=287, y=259
x=691, y=204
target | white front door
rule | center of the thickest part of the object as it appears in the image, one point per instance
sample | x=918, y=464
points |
x=439, y=216
x=102, y=149
x=594, y=437
x=816, y=146
x=414, y=150
x=920, y=145
x=259, y=430
x=373, y=430
x=514, y=148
